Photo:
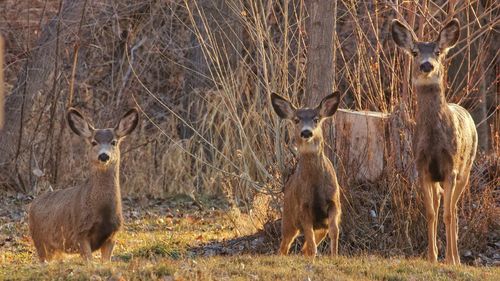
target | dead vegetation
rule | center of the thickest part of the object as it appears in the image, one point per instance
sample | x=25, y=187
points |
x=201, y=72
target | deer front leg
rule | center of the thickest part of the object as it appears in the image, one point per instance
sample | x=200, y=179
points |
x=85, y=250
x=309, y=248
x=288, y=234
x=436, y=199
x=107, y=250
x=431, y=214
x=319, y=235
x=44, y=255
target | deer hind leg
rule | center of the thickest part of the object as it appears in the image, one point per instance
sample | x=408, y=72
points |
x=450, y=216
x=460, y=187
x=288, y=234
x=107, y=250
x=319, y=235
x=431, y=214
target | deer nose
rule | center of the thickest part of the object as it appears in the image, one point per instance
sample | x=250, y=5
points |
x=426, y=67
x=306, y=134
x=103, y=157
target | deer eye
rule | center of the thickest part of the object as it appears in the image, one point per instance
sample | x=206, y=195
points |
x=93, y=143
x=296, y=120
x=437, y=53
x=316, y=120
x=414, y=53
x=113, y=142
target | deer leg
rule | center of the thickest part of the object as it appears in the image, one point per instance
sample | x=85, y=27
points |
x=460, y=187
x=431, y=214
x=309, y=248
x=436, y=196
x=334, y=231
x=85, y=250
x=43, y=253
x=449, y=217
x=107, y=250
x=453, y=232
x=319, y=235
x=42, y=257
x=288, y=234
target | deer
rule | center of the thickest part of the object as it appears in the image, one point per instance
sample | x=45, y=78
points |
x=84, y=218
x=311, y=201
x=445, y=140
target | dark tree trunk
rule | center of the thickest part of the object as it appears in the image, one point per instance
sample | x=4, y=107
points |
x=35, y=77
x=1, y=82
x=226, y=33
x=319, y=65
x=197, y=74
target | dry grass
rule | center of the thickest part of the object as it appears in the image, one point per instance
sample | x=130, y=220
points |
x=248, y=267
x=158, y=241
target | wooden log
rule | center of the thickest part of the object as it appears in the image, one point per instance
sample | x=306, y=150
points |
x=360, y=143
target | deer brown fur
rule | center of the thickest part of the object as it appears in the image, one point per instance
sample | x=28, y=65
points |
x=85, y=218
x=446, y=137
x=312, y=194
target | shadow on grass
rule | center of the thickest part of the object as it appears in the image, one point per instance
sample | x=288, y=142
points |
x=156, y=250
x=263, y=242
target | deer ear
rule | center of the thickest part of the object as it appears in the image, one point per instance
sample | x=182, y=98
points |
x=329, y=105
x=449, y=35
x=402, y=36
x=128, y=123
x=282, y=107
x=78, y=124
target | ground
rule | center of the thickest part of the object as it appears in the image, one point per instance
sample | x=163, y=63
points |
x=176, y=239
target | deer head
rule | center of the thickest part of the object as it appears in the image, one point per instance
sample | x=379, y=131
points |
x=307, y=121
x=104, y=143
x=428, y=57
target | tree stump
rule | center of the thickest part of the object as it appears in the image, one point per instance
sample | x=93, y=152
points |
x=360, y=143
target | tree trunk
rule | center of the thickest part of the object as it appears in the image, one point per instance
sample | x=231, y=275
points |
x=467, y=69
x=319, y=65
x=1, y=82
x=480, y=114
x=39, y=68
x=226, y=33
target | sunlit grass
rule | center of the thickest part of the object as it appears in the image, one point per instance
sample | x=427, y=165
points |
x=156, y=246
x=249, y=267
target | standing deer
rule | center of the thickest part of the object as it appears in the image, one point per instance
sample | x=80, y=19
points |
x=312, y=193
x=84, y=218
x=446, y=137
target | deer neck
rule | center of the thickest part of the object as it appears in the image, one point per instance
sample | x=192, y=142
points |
x=311, y=160
x=431, y=103
x=105, y=184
